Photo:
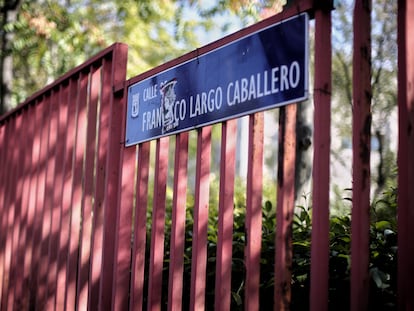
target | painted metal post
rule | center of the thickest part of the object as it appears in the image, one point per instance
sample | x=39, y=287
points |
x=254, y=211
x=77, y=190
x=3, y=223
x=16, y=190
x=9, y=215
x=124, y=223
x=225, y=221
x=48, y=201
x=61, y=101
x=114, y=73
x=361, y=147
x=322, y=142
x=27, y=140
x=40, y=227
x=201, y=199
x=140, y=223
x=285, y=207
x=108, y=168
x=176, y=267
x=405, y=153
x=88, y=199
x=103, y=136
x=31, y=213
x=158, y=222
x=123, y=232
x=66, y=195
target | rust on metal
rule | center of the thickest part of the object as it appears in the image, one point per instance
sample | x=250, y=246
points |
x=361, y=147
x=405, y=152
x=285, y=207
x=321, y=159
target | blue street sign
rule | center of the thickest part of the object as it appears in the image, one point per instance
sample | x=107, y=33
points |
x=263, y=70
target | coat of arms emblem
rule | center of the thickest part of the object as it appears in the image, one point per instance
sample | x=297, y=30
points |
x=168, y=97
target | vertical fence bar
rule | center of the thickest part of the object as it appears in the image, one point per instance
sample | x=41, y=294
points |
x=87, y=203
x=48, y=201
x=17, y=206
x=2, y=228
x=201, y=199
x=320, y=192
x=116, y=66
x=140, y=226
x=157, y=228
x=405, y=152
x=97, y=246
x=176, y=267
x=31, y=208
x=9, y=213
x=124, y=233
x=27, y=140
x=125, y=194
x=68, y=173
x=40, y=225
x=225, y=221
x=3, y=160
x=77, y=190
x=254, y=211
x=361, y=149
x=61, y=100
x=4, y=209
x=285, y=207
x=51, y=190
x=105, y=196
x=5, y=218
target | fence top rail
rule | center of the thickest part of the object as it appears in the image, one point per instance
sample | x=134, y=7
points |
x=75, y=71
x=299, y=7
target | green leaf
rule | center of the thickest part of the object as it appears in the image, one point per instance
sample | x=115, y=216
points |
x=380, y=278
x=382, y=225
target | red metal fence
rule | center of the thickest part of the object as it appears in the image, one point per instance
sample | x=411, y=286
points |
x=74, y=200
x=60, y=153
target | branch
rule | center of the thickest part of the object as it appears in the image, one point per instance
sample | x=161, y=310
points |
x=345, y=67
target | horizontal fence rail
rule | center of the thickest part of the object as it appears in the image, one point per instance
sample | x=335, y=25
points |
x=89, y=224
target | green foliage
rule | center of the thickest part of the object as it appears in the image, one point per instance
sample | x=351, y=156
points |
x=51, y=37
x=383, y=247
x=383, y=83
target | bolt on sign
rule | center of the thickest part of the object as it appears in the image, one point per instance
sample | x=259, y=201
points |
x=263, y=70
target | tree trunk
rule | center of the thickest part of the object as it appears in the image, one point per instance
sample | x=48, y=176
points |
x=304, y=132
x=9, y=11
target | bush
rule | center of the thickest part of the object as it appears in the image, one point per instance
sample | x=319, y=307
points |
x=382, y=267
